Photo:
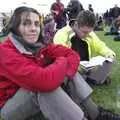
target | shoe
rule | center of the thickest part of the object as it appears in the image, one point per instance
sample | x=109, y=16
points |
x=94, y=84
x=107, y=81
x=107, y=115
x=90, y=81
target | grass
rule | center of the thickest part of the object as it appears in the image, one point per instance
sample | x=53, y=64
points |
x=106, y=95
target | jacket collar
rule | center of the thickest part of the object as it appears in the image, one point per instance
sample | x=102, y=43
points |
x=19, y=46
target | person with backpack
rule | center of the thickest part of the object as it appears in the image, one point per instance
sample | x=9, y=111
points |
x=90, y=8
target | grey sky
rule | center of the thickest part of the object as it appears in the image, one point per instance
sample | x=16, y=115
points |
x=44, y=5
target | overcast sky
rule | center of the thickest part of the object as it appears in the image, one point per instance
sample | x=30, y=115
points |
x=99, y=6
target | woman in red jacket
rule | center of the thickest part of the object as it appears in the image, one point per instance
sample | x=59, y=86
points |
x=31, y=73
x=31, y=76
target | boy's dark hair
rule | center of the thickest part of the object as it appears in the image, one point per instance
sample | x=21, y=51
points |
x=86, y=18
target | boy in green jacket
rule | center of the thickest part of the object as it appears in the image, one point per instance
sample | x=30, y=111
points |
x=80, y=37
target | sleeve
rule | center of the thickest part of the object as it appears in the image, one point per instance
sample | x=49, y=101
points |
x=61, y=37
x=72, y=57
x=28, y=74
x=99, y=46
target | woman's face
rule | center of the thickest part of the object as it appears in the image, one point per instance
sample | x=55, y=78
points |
x=29, y=27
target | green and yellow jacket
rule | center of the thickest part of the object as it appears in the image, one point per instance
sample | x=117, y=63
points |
x=95, y=45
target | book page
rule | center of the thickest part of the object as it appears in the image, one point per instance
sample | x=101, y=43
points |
x=98, y=60
x=94, y=61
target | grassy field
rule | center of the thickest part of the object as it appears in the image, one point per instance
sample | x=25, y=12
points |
x=106, y=95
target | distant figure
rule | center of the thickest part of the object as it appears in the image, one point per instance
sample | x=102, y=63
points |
x=99, y=23
x=49, y=29
x=117, y=26
x=90, y=8
x=73, y=8
x=115, y=11
x=57, y=9
x=107, y=18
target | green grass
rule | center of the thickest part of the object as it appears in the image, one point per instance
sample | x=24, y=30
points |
x=106, y=95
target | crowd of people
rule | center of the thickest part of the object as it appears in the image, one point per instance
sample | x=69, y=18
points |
x=40, y=61
x=112, y=20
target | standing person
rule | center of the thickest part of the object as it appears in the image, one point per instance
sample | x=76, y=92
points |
x=57, y=9
x=81, y=38
x=90, y=8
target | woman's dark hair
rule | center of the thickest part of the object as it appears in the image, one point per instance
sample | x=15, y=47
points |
x=16, y=19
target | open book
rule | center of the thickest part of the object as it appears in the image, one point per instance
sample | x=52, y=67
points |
x=94, y=61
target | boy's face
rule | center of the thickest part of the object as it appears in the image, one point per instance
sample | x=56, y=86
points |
x=82, y=32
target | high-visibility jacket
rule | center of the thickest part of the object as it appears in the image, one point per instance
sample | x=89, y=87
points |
x=95, y=45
